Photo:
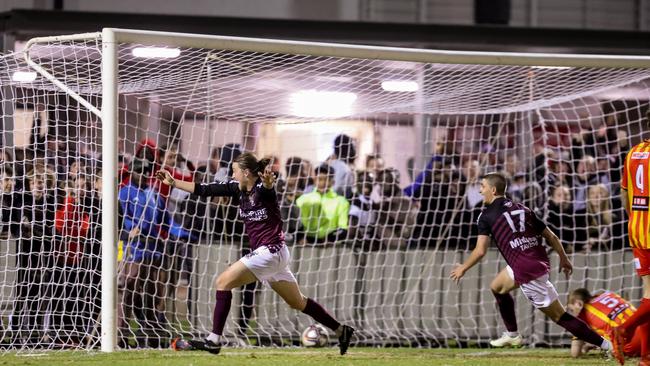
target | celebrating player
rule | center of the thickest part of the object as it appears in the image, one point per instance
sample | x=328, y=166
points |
x=602, y=312
x=269, y=260
x=635, y=195
x=518, y=234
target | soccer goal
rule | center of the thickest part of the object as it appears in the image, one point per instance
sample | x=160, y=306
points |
x=87, y=116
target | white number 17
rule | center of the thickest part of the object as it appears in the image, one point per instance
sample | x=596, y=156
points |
x=522, y=220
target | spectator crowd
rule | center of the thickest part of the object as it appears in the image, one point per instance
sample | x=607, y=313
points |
x=51, y=206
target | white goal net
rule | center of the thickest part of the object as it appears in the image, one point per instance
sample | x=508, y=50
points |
x=405, y=133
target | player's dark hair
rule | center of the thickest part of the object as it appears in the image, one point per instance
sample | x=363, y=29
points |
x=498, y=181
x=581, y=294
x=249, y=161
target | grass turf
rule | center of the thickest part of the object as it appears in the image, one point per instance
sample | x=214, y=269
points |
x=301, y=356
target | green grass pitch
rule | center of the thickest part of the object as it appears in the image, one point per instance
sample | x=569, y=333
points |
x=301, y=356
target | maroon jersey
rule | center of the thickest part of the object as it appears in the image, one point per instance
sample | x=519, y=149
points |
x=517, y=232
x=258, y=208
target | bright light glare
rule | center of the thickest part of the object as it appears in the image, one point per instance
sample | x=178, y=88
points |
x=24, y=76
x=321, y=104
x=156, y=52
x=399, y=85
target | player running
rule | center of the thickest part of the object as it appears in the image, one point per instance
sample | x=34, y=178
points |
x=518, y=234
x=269, y=259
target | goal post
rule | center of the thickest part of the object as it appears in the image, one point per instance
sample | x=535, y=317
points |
x=549, y=120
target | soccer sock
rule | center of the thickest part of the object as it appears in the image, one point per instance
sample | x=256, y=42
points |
x=221, y=310
x=644, y=336
x=506, y=305
x=606, y=345
x=579, y=329
x=316, y=311
x=641, y=316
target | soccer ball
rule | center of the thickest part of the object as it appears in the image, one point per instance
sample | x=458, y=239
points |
x=315, y=336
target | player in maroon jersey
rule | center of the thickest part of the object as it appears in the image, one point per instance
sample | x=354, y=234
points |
x=254, y=186
x=518, y=234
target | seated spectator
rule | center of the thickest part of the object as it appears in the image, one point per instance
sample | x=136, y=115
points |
x=396, y=214
x=471, y=176
x=374, y=164
x=92, y=260
x=512, y=166
x=569, y=227
x=560, y=174
x=34, y=258
x=437, y=195
x=143, y=216
x=534, y=197
x=295, y=185
x=172, y=163
x=323, y=212
x=586, y=175
x=8, y=213
x=600, y=218
x=195, y=209
x=434, y=163
x=229, y=152
x=516, y=186
x=67, y=288
x=363, y=211
x=342, y=163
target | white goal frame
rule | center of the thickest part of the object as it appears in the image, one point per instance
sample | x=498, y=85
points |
x=112, y=37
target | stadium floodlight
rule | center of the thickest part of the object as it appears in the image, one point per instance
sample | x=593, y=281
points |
x=23, y=76
x=156, y=52
x=322, y=104
x=400, y=85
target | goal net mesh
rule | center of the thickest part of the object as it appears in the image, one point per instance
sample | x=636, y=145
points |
x=416, y=139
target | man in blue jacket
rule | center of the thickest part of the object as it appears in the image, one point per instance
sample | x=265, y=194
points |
x=145, y=224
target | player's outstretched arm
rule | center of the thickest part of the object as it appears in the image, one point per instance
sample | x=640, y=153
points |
x=477, y=254
x=554, y=242
x=166, y=178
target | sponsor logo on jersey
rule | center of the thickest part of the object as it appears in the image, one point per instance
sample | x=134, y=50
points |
x=618, y=309
x=640, y=155
x=524, y=243
x=253, y=215
x=640, y=203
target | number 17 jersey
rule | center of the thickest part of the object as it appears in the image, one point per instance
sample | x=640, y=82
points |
x=636, y=183
x=517, y=232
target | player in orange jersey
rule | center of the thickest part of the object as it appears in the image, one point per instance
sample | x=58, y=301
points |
x=602, y=312
x=635, y=195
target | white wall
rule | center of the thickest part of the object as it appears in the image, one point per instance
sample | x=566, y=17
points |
x=199, y=137
x=398, y=144
x=313, y=141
